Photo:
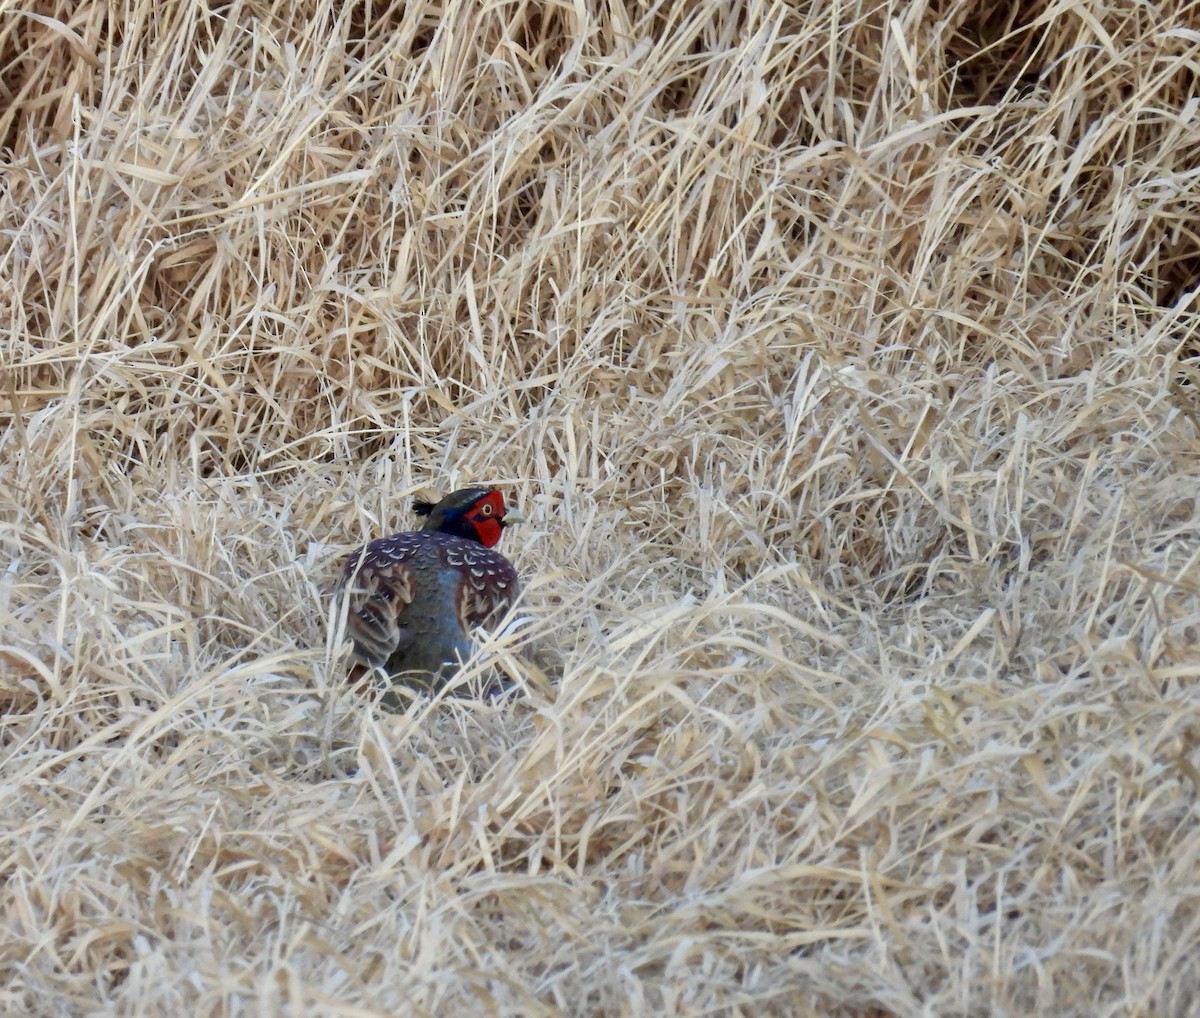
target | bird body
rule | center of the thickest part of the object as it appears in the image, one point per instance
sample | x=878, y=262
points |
x=415, y=597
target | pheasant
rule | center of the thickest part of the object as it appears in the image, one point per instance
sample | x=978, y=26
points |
x=413, y=598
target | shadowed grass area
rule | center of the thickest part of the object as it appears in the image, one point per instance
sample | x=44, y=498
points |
x=843, y=359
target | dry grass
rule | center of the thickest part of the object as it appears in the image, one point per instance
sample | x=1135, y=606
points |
x=841, y=355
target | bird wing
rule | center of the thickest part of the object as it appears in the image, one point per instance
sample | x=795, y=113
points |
x=378, y=584
x=488, y=587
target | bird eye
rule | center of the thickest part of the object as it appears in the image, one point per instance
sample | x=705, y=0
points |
x=485, y=510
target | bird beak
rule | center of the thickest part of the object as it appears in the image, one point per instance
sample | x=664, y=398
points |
x=510, y=517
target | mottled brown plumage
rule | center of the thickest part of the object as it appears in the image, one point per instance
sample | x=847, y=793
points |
x=415, y=597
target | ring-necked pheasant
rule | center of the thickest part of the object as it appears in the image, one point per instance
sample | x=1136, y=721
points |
x=415, y=597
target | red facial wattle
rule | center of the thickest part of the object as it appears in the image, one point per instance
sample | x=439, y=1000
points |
x=486, y=517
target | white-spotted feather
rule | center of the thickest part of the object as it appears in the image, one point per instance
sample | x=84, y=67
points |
x=384, y=579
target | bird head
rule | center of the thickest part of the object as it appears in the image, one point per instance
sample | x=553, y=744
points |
x=477, y=514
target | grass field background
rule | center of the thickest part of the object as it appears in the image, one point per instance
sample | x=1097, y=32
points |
x=842, y=358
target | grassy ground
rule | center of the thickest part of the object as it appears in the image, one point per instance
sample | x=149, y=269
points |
x=841, y=357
